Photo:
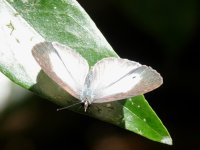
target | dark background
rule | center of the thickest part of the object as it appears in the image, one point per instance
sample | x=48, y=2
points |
x=162, y=34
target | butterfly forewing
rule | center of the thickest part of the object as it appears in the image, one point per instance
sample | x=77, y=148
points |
x=116, y=78
x=63, y=65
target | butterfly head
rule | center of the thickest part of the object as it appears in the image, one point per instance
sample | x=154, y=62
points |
x=86, y=104
x=86, y=98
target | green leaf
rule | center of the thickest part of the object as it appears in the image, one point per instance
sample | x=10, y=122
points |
x=25, y=23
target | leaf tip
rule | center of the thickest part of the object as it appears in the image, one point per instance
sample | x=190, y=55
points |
x=167, y=140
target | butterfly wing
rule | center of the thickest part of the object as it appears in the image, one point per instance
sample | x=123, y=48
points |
x=116, y=78
x=63, y=65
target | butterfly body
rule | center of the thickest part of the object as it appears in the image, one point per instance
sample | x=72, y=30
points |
x=110, y=79
x=87, y=95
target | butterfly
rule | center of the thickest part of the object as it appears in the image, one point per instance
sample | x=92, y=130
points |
x=110, y=79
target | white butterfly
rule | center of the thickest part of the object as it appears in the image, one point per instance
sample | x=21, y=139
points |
x=110, y=79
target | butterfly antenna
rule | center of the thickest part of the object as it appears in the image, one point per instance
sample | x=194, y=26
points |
x=62, y=108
